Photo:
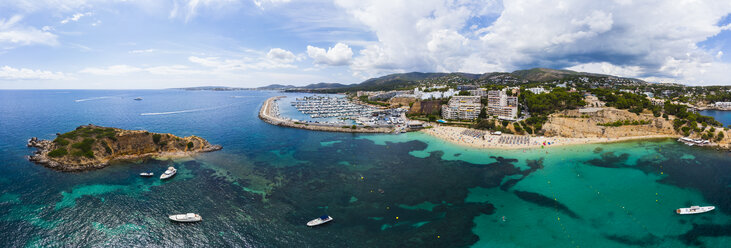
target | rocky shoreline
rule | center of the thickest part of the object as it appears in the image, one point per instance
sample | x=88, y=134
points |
x=93, y=147
x=267, y=114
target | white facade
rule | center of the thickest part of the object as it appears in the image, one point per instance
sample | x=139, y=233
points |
x=462, y=108
x=537, y=90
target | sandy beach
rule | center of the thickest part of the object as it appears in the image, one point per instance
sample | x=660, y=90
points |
x=474, y=138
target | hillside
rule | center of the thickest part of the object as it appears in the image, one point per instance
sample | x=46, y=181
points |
x=408, y=80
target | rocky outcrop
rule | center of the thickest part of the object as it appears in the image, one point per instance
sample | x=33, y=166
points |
x=90, y=147
x=578, y=124
x=575, y=124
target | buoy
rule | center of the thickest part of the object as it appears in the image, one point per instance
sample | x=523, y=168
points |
x=397, y=217
x=388, y=207
x=438, y=236
x=361, y=177
x=559, y=218
x=661, y=173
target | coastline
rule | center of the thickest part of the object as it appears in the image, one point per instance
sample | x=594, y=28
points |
x=454, y=135
x=269, y=114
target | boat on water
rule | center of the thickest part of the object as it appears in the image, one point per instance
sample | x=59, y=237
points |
x=319, y=221
x=694, y=210
x=147, y=174
x=169, y=173
x=189, y=217
x=138, y=99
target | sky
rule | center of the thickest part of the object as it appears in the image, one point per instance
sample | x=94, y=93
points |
x=153, y=44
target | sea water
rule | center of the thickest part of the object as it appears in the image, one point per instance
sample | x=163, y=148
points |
x=383, y=190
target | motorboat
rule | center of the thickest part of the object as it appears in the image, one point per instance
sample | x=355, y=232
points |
x=189, y=217
x=319, y=221
x=138, y=99
x=147, y=174
x=694, y=210
x=169, y=173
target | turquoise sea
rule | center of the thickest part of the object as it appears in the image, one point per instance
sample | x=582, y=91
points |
x=407, y=190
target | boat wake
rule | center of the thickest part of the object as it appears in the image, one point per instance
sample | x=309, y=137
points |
x=92, y=99
x=185, y=111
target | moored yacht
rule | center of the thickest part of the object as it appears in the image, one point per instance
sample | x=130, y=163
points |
x=694, y=210
x=169, y=173
x=189, y=217
x=319, y=221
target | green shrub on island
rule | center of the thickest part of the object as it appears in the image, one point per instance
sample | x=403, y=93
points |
x=61, y=141
x=60, y=152
x=190, y=145
x=156, y=138
x=345, y=126
x=84, y=145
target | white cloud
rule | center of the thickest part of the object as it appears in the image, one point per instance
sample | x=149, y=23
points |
x=607, y=68
x=111, y=70
x=143, y=51
x=276, y=58
x=281, y=55
x=12, y=34
x=263, y=3
x=10, y=73
x=624, y=37
x=340, y=54
x=75, y=17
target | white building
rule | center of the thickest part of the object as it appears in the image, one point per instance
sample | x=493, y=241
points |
x=537, y=90
x=501, y=105
x=462, y=108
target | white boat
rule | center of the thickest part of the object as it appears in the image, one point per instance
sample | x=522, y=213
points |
x=169, y=173
x=147, y=174
x=319, y=221
x=694, y=210
x=189, y=217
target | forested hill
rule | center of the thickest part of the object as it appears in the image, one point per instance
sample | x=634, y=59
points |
x=411, y=79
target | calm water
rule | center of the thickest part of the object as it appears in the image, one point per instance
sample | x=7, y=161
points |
x=408, y=190
x=722, y=116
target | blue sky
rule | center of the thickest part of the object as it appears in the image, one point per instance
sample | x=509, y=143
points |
x=118, y=44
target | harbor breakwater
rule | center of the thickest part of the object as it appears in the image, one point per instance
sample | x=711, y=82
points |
x=269, y=114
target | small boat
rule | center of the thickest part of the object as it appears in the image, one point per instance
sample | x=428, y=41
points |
x=138, y=99
x=189, y=217
x=147, y=174
x=169, y=173
x=694, y=210
x=319, y=221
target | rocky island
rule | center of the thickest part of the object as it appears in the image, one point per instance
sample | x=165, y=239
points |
x=91, y=147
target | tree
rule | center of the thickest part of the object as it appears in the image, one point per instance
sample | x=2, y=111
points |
x=483, y=113
x=463, y=93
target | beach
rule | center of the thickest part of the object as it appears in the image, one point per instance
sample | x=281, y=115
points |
x=474, y=138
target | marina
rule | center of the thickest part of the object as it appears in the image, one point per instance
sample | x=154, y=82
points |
x=327, y=107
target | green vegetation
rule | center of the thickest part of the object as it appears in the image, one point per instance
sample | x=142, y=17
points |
x=190, y=145
x=365, y=100
x=61, y=141
x=60, y=152
x=84, y=148
x=548, y=103
x=156, y=138
x=624, y=123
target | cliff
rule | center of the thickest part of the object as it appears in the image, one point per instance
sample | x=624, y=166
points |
x=90, y=147
x=576, y=124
